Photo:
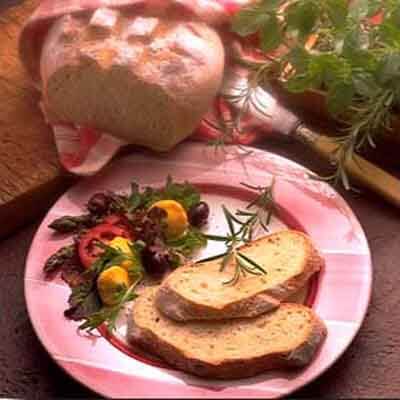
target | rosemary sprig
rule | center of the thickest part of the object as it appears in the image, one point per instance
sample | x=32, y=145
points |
x=109, y=315
x=191, y=241
x=370, y=118
x=264, y=203
x=252, y=265
x=334, y=46
x=238, y=97
x=242, y=225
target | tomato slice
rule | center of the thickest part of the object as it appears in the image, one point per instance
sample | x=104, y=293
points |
x=105, y=232
x=118, y=220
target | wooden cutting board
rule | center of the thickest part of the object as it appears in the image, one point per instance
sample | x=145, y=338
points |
x=30, y=174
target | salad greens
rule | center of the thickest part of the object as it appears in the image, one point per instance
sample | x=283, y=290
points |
x=148, y=249
x=184, y=193
x=85, y=301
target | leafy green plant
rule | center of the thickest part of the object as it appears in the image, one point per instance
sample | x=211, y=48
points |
x=84, y=301
x=192, y=240
x=355, y=59
x=184, y=193
x=134, y=214
x=110, y=314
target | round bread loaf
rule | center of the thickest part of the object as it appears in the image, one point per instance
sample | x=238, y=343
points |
x=147, y=79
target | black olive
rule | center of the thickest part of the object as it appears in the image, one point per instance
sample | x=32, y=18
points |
x=156, y=259
x=198, y=214
x=98, y=203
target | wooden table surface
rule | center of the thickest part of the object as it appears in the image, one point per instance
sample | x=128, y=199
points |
x=369, y=368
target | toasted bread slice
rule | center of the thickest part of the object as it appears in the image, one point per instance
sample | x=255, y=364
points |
x=286, y=337
x=199, y=291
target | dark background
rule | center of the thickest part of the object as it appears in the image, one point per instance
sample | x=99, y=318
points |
x=369, y=368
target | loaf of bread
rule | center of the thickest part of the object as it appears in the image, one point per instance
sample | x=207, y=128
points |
x=148, y=79
x=198, y=291
x=286, y=337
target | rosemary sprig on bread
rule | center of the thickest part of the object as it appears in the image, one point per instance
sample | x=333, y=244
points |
x=242, y=226
x=197, y=291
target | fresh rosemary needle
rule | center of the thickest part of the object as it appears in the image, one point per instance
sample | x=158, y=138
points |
x=348, y=49
x=241, y=226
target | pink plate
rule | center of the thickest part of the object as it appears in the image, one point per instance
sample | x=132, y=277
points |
x=340, y=295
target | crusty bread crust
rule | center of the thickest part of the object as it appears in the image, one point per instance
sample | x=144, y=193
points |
x=147, y=79
x=235, y=367
x=176, y=305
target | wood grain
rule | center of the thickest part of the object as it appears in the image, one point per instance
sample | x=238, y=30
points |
x=30, y=174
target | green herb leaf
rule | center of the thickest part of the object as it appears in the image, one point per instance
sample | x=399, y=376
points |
x=115, y=256
x=353, y=59
x=318, y=72
x=394, y=13
x=250, y=19
x=374, y=6
x=340, y=97
x=389, y=32
x=337, y=11
x=248, y=22
x=388, y=71
x=229, y=220
x=262, y=216
x=271, y=35
x=245, y=268
x=216, y=238
x=134, y=199
x=184, y=193
x=211, y=258
x=84, y=300
x=109, y=315
x=303, y=16
x=299, y=83
x=235, y=277
x=252, y=262
x=358, y=10
x=226, y=259
x=353, y=42
x=192, y=240
x=299, y=59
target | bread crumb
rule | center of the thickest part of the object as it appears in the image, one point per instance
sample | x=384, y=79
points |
x=104, y=18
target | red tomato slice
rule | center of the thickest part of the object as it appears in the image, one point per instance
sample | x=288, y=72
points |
x=105, y=232
x=118, y=220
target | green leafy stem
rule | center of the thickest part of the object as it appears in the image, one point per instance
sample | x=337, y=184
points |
x=242, y=225
x=355, y=60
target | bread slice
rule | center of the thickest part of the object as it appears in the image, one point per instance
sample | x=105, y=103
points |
x=197, y=291
x=286, y=337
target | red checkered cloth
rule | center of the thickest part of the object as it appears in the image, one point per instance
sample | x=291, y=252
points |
x=84, y=151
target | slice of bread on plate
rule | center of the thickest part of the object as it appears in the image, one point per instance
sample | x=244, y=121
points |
x=238, y=348
x=199, y=291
